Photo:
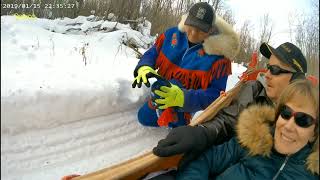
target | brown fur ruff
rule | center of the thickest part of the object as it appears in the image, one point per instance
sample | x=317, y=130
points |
x=253, y=131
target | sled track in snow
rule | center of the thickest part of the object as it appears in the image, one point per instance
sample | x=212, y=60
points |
x=40, y=154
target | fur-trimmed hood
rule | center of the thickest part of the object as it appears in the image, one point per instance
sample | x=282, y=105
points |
x=226, y=42
x=253, y=131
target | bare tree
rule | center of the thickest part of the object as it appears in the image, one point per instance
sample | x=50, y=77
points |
x=161, y=13
x=247, y=43
x=227, y=15
x=216, y=4
x=307, y=37
x=266, y=29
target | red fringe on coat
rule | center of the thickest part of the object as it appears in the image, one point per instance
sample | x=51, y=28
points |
x=192, y=79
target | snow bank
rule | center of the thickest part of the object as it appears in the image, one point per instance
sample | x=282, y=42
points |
x=46, y=81
x=67, y=105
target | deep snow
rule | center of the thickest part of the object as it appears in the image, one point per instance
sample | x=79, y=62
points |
x=60, y=116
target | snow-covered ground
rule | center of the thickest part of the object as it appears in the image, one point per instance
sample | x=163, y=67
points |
x=61, y=114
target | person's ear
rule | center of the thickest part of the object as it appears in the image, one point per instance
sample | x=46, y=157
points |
x=213, y=30
x=297, y=75
x=315, y=135
x=313, y=138
x=210, y=30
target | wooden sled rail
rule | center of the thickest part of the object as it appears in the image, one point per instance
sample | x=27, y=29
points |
x=134, y=168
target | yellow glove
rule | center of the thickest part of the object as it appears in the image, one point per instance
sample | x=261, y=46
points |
x=144, y=73
x=172, y=96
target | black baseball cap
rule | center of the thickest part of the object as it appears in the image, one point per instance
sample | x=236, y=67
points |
x=201, y=15
x=288, y=53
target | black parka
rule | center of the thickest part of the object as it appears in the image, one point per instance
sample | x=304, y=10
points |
x=221, y=127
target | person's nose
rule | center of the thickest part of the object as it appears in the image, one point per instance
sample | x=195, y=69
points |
x=268, y=75
x=290, y=124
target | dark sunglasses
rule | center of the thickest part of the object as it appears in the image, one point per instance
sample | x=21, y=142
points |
x=301, y=119
x=276, y=70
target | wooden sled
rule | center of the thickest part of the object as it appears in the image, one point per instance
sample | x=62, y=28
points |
x=140, y=166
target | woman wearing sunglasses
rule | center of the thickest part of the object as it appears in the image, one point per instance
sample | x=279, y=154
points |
x=271, y=143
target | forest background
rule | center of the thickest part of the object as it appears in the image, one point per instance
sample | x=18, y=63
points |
x=303, y=28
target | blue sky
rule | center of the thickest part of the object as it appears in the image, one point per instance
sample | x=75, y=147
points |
x=278, y=10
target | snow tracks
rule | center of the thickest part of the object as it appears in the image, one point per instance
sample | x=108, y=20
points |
x=79, y=147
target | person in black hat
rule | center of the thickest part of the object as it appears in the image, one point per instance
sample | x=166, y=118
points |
x=200, y=22
x=195, y=58
x=286, y=64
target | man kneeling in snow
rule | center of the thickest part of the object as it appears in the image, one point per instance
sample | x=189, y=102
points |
x=192, y=63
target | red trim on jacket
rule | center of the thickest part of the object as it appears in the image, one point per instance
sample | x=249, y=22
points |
x=192, y=79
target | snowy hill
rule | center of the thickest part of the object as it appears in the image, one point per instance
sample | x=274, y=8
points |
x=67, y=105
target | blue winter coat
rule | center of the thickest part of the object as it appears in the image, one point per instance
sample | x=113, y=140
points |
x=200, y=73
x=250, y=155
